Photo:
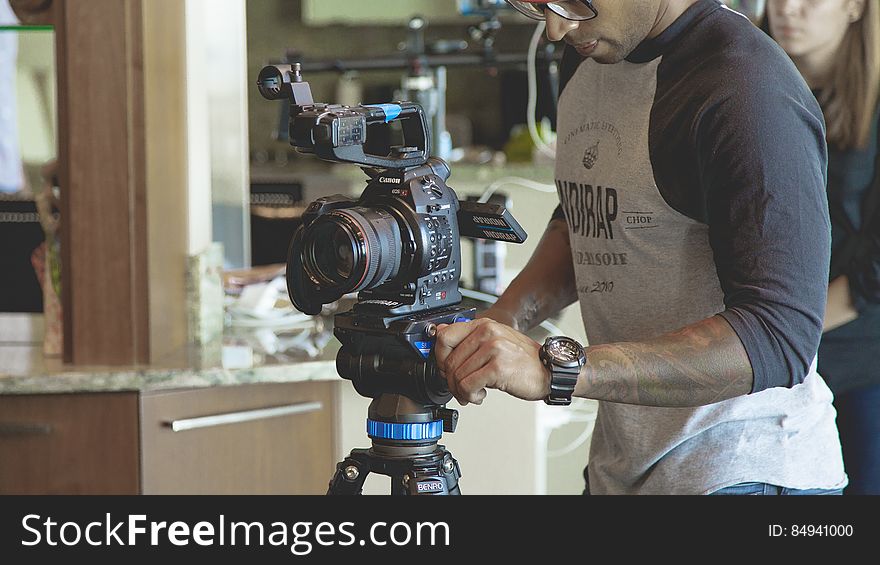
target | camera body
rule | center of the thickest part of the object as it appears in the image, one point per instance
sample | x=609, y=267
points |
x=400, y=240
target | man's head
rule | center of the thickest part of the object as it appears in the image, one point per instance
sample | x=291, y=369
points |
x=617, y=28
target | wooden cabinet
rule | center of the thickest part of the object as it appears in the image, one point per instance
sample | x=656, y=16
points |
x=69, y=444
x=265, y=439
x=250, y=439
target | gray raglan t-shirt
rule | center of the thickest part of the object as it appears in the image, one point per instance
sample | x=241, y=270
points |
x=692, y=180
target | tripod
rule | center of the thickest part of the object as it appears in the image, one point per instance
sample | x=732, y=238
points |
x=405, y=448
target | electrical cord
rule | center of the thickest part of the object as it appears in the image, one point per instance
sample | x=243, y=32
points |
x=517, y=181
x=540, y=144
x=578, y=441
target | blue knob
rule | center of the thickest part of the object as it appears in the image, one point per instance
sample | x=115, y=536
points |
x=420, y=431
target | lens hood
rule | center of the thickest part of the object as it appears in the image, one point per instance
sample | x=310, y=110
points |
x=302, y=294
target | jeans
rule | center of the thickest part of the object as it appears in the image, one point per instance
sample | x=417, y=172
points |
x=748, y=489
x=765, y=489
x=858, y=421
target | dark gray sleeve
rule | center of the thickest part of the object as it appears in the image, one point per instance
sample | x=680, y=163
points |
x=762, y=162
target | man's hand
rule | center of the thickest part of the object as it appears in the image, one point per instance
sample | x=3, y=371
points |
x=481, y=354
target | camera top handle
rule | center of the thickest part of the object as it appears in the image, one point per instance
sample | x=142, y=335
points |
x=338, y=138
x=337, y=133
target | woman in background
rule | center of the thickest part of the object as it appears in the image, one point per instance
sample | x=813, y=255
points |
x=836, y=46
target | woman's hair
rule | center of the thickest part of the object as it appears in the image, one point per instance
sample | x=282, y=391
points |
x=849, y=99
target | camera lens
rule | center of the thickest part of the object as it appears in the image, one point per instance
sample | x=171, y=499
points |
x=352, y=249
x=342, y=245
x=331, y=256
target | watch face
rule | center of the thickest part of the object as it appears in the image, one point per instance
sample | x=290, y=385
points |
x=564, y=351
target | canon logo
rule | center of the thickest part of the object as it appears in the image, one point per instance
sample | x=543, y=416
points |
x=389, y=180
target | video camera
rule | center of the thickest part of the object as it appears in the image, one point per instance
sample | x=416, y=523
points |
x=398, y=247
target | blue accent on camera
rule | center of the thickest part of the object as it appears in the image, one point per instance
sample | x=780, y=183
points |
x=461, y=319
x=424, y=347
x=422, y=431
x=391, y=110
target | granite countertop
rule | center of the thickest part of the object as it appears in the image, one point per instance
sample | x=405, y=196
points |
x=241, y=357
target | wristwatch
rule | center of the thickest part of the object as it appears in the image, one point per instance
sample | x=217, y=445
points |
x=564, y=357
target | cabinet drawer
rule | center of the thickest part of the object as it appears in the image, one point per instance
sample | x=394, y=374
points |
x=252, y=439
x=69, y=444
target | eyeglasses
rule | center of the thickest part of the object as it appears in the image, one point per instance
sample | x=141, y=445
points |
x=575, y=10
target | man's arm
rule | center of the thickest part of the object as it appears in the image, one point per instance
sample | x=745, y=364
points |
x=544, y=287
x=700, y=364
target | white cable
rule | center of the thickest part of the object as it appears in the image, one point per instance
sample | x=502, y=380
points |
x=578, y=441
x=517, y=181
x=540, y=144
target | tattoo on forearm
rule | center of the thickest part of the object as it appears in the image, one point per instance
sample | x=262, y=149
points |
x=543, y=288
x=528, y=313
x=697, y=365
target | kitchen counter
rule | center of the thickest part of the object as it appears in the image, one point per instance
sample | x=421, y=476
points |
x=236, y=360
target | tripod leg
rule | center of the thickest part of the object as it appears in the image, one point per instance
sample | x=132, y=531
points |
x=451, y=473
x=349, y=476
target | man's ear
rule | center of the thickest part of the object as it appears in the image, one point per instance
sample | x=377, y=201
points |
x=34, y=12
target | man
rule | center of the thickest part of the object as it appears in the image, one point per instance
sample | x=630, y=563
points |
x=693, y=230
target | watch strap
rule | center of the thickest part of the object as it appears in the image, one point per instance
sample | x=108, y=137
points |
x=562, y=380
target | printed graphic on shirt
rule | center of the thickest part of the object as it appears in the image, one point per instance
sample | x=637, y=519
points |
x=590, y=211
x=592, y=135
x=591, y=155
